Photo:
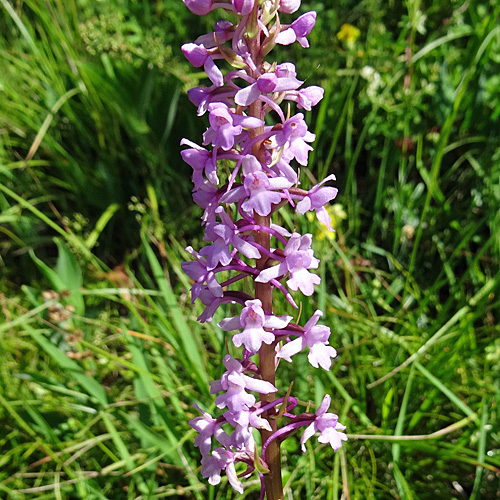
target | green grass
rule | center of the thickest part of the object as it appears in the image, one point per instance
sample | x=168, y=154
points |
x=101, y=356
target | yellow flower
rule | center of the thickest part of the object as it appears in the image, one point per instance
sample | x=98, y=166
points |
x=337, y=213
x=348, y=34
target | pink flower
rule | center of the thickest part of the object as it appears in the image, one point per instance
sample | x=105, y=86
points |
x=316, y=338
x=261, y=191
x=211, y=302
x=223, y=31
x=253, y=320
x=316, y=199
x=198, y=271
x=214, y=464
x=299, y=257
x=206, y=197
x=308, y=98
x=243, y=176
x=242, y=437
x=328, y=426
x=265, y=84
x=200, y=160
x=298, y=30
x=207, y=427
x=235, y=383
x=295, y=136
x=244, y=7
x=195, y=54
x=226, y=126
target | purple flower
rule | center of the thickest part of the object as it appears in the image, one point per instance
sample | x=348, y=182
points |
x=254, y=156
x=280, y=166
x=316, y=338
x=268, y=82
x=226, y=126
x=295, y=136
x=227, y=230
x=211, y=301
x=316, y=199
x=223, y=236
x=214, y=464
x=265, y=84
x=199, y=159
x=198, y=271
x=299, y=257
x=195, y=54
x=223, y=130
x=213, y=72
x=207, y=427
x=253, y=320
x=198, y=56
x=250, y=165
x=202, y=96
x=259, y=188
x=206, y=197
x=308, y=98
x=286, y=70
x=242, y=437
x=328, y=426
x=298, y=30
x=235, y=383
x=218, y=252
x=223, y=31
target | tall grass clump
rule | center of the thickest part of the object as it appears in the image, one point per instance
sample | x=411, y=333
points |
x=82, y=84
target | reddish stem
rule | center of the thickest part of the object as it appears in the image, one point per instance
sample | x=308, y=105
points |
x=264, y=291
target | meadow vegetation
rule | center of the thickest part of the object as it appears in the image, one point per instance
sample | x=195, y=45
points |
x=101, y=356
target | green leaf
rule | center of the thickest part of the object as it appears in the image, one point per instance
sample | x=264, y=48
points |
x=67, y=267
x=403, y=486
x=66, y=276
x=70, y=367
x=55, y=280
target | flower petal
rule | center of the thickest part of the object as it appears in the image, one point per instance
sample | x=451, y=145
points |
x=286, y=37
x=229, y=324
x=246, y=96
x=308, y=433
x=289, y=349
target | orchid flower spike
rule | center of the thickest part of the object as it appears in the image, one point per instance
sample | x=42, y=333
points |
x=244, y=171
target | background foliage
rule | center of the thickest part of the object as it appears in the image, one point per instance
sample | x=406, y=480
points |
x=100, y=353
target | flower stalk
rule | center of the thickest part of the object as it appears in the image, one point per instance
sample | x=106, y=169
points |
x=244, y=242
x=267, y=362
